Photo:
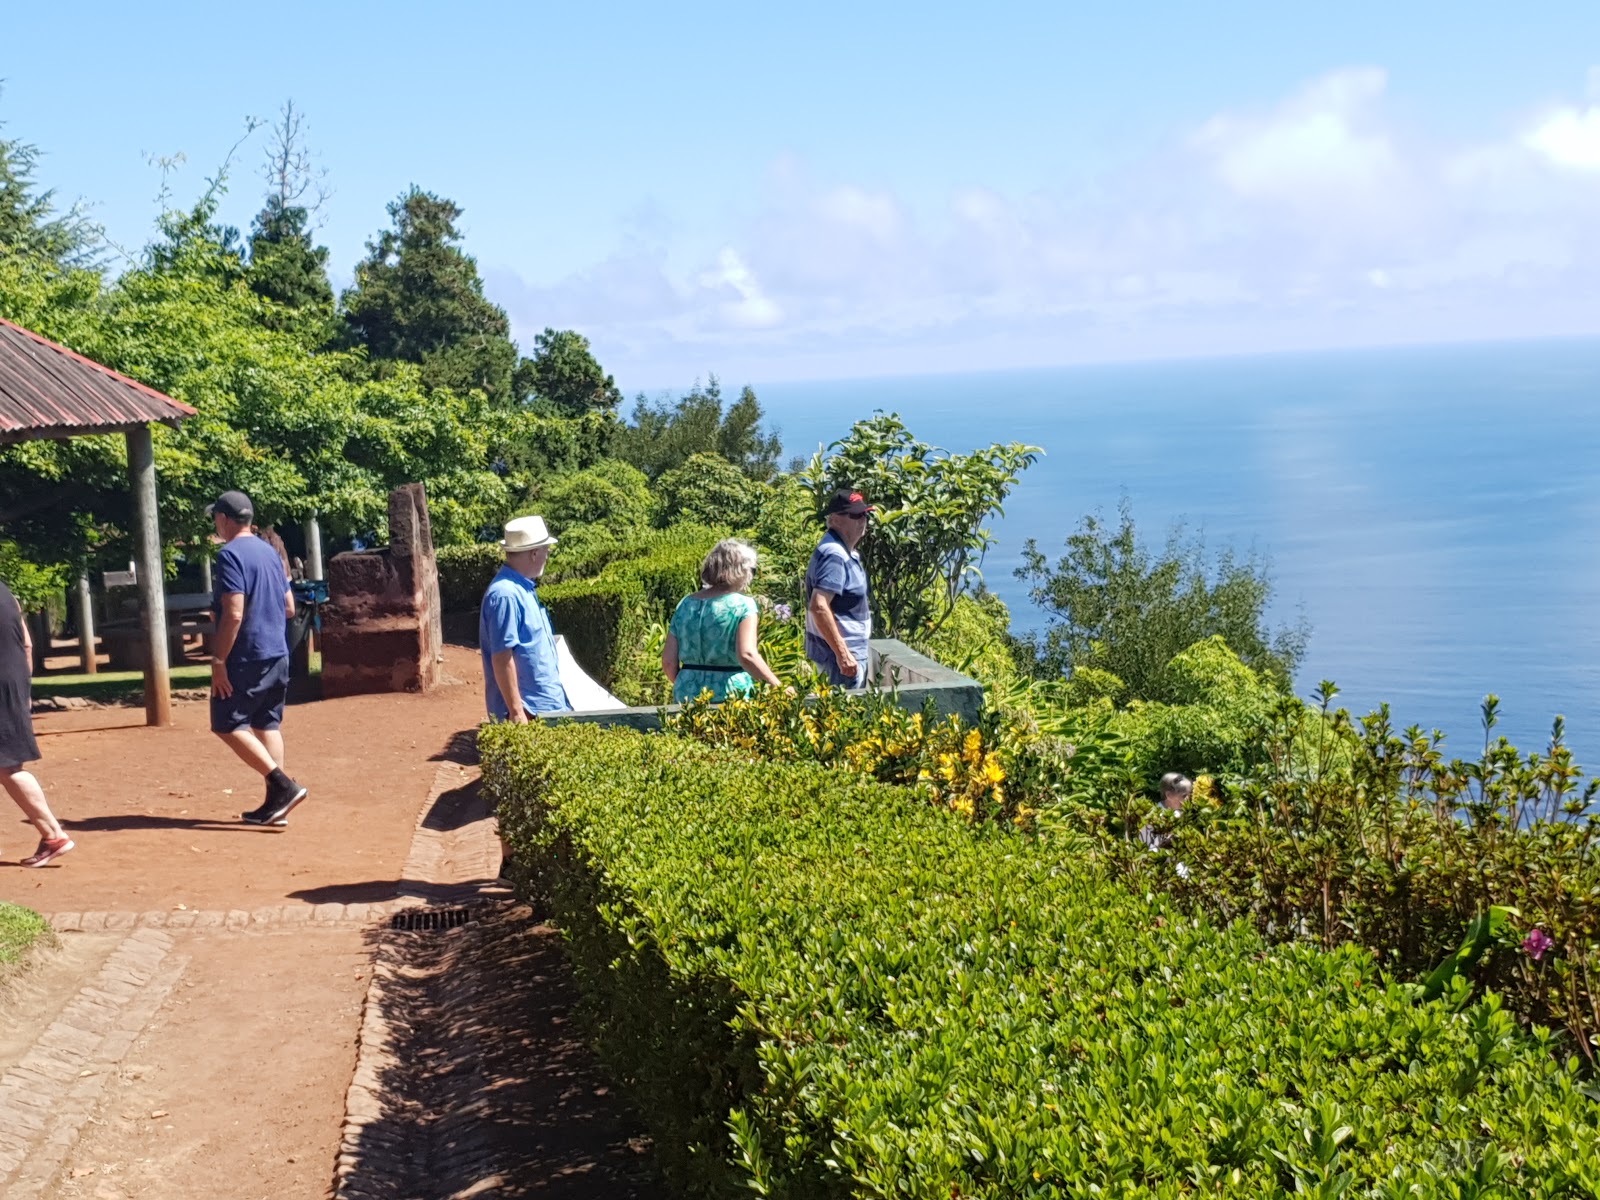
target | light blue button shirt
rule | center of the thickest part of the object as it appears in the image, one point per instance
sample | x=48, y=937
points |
x=512, y=618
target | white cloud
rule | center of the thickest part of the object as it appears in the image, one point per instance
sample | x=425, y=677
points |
x=1314, y=139
x=1568, y=137
x=753, y=309
x=1313, y=221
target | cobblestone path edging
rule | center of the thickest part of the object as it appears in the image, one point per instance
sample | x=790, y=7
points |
x=49, y=1095
x=46, y=1098
x=456, y=849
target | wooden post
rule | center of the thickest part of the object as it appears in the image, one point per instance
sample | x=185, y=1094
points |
x=313, y=532
x=85, y=605
x=39, y=633
x=205, y=572
x=147, y=559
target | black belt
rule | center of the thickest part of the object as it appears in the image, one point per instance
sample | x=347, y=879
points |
x=708, y=667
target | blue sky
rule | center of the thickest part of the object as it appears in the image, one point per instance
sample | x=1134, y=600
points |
x=839, y=190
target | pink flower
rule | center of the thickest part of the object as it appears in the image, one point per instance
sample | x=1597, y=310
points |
x=1536, y=943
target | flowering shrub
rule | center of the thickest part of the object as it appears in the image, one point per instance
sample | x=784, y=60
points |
x=815, y=985
x=1373, y=837
x=954, y=766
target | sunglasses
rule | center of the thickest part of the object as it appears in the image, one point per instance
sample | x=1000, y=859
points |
x=854, y=516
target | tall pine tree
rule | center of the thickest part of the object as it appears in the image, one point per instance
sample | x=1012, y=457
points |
x=564, y=377
x=418, y=298
x=286, y=266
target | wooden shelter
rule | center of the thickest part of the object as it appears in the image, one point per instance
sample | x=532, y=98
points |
x=47, y=391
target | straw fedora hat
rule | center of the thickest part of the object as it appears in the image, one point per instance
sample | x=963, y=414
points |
x=526, y=533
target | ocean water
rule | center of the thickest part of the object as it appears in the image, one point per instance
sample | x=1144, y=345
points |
x=1433, y=512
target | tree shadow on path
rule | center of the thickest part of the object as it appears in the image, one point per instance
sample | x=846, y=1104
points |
x=486, y=1086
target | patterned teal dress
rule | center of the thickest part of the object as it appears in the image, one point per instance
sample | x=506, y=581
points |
x=708, y=635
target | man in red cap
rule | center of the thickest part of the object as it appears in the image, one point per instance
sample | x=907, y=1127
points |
x=838, y=599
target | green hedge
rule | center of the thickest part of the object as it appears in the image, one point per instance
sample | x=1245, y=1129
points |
x=819, y=986
x=465, y=572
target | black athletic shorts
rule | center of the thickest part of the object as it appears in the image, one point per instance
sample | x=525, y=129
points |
x=259, y=689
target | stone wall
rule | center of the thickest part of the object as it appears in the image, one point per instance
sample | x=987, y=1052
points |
x=381, y=628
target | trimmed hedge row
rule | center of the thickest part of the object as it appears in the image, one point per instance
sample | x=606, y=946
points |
x=816, y=985
x=465, y=572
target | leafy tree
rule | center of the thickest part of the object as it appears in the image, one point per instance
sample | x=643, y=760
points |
x=564, y=378
x=708, y=490
x=34, y=586
x=417, y=298
x=289, y=270
x=927, y=538
x=742, y=441
x=610, y=494
x=1115, y=606
x=664, y=435
x=545, y=446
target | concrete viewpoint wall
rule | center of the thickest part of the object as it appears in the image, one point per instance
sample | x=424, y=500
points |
x=913, y=679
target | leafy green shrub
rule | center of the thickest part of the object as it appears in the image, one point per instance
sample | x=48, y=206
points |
x=708, y=490
x=465, y=572
x=815, y=985
x=1371, y=837
x=974, y=639
x=1116, y=606
x=1213, y=723
x=610, y=494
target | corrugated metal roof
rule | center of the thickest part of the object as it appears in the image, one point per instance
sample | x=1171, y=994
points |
x=47, y=391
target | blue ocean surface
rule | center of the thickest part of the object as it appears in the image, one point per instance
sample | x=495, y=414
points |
x=1433, y=512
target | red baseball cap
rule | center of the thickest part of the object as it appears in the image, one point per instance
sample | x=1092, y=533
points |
x=850, y=503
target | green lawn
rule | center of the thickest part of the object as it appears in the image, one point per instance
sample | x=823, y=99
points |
x=112, y=685
x=20, y=928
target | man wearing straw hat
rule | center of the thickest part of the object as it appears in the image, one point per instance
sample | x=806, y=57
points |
x=521, y=674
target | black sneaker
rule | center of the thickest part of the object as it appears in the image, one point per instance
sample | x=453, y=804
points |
x=281, y=822
x=280, y=802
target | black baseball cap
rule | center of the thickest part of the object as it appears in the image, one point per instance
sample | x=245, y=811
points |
x=232, y=504
x=850, y=503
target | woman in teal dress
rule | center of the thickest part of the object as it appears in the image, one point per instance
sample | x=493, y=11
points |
x=711, y=643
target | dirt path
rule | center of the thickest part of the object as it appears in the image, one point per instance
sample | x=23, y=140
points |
x=236, y=1086
x=196, y=1035
x=155, y=812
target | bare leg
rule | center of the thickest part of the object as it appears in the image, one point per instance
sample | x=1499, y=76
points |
x=272, y=739
x=25, y=790
x=250, y=749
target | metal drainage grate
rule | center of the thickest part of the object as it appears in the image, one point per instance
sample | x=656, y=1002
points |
x=430, y=918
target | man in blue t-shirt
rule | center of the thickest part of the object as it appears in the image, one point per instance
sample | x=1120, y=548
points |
x=521, y=674
x=250, y=653
x=838, y=599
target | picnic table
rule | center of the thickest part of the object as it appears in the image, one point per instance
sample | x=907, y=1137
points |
x=189, y=616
